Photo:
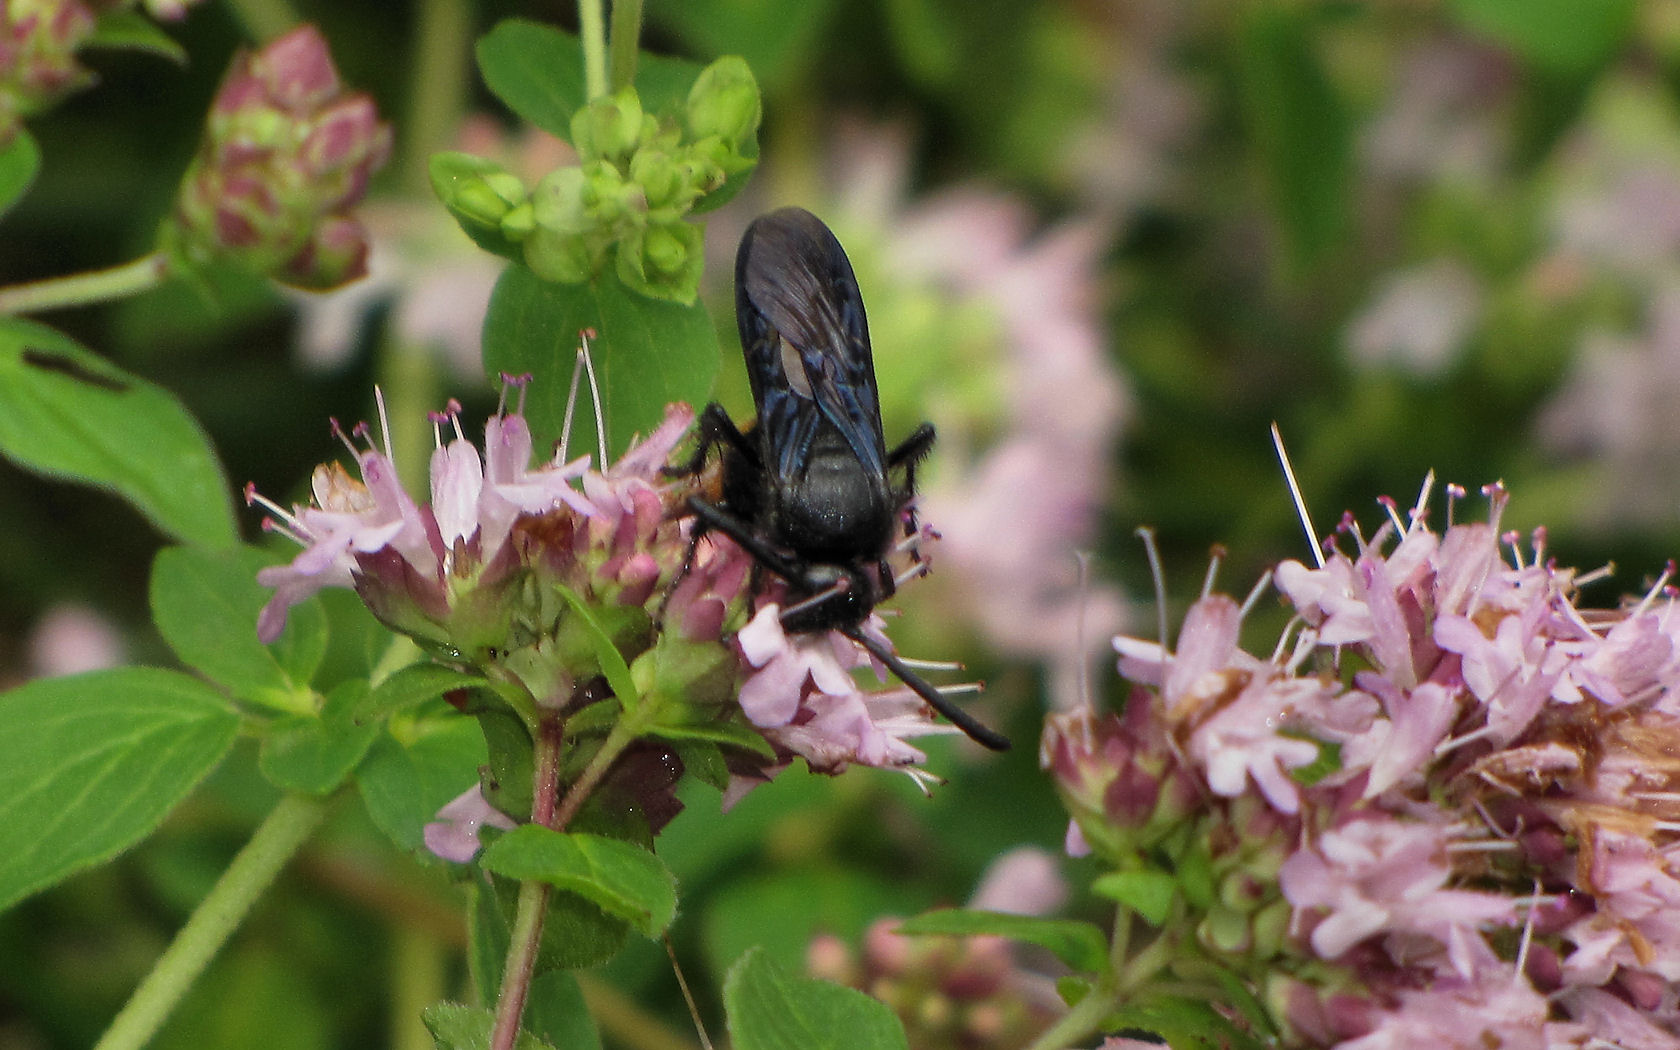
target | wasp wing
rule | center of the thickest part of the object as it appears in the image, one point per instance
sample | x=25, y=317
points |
x=806, y=340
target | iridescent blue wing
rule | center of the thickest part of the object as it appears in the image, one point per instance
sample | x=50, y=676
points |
x=806, y=341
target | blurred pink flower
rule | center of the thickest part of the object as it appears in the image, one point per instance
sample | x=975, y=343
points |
x=71, y=639
x=436, y=280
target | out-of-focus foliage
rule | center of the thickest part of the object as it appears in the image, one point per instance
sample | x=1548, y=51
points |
x=1424, y=236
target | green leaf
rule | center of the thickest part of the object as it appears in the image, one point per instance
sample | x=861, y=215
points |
x=557, y=1013
x=314, y=753
x=1567, y=36
x=1148, y=893
x=1079, y=944
x=647, y=353
x=132, y=31
x=19, y=164
x=743, y=737
x=456, y=1026
x=576, y=933
x=409, y=687
x=768, y=1010
x=537, y=70
x=1186, y=1024
x=778, y=38
x=611, y=660
x=71, y=414
x=622, y=878
x=405, y=782
x=205, y=603
x=1301, y=130
x=95, y=762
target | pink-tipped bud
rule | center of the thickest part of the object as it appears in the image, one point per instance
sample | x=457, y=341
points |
x=286, y=155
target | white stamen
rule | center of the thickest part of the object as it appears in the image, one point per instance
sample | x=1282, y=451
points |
x=931, y=665
x=918, y=569
x=384, y=420
x=1481, y=846
x=1153, y=553
x=1421, y=507
x=571, y=407
x=1518, y=974
x=595, y=399
x=1295, y=494
x=837, y=588
x=1214, y=560
x=1253, y=599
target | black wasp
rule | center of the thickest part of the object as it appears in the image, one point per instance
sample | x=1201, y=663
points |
x=808, y=489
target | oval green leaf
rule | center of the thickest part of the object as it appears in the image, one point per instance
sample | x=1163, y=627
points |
x=1079, y=944
x=19, y=163
x=769, y=1010
x=205, y=603
x=95, y=762
x=71, y=414
x=622, y=878
x=647, y=353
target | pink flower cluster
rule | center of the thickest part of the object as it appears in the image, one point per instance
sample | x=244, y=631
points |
x=484, y=574
x=1446, y=811
x=38, y=43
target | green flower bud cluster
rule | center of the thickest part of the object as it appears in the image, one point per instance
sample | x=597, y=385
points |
x=626, y=202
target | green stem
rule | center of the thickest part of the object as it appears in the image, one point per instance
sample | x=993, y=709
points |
x=520, y=966
x=592, y=27
x=419, y=969
x=264, y=19
x=217, y=916
x=626, y=40
x=437, y=87
x=1079, y=1023
x=84, y=289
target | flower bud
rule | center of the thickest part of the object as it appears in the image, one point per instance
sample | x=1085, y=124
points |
x=1117, y=777
x=662, y=261
x=564, y=258
x=724, y=101
x=663, y=183
x=609, y=127
x=481, y=195
x=336, y=252
x=286, y=155
x=38, y=42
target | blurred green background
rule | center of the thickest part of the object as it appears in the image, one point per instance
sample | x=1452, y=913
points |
x=1104, y=245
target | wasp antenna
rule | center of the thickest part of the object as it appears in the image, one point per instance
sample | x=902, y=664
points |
x=980, y=734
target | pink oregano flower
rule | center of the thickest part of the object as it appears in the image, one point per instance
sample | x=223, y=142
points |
x=1445, y=811
x=483, y=572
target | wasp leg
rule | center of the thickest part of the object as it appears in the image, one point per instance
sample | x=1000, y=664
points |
x=717, y=430
x=980, y=734
x=908, y=453
x=714, y=517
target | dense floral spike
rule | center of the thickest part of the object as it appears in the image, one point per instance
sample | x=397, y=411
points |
x=286, y=155
x=38, y=42
x=1447, y=811
x=485, y=575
